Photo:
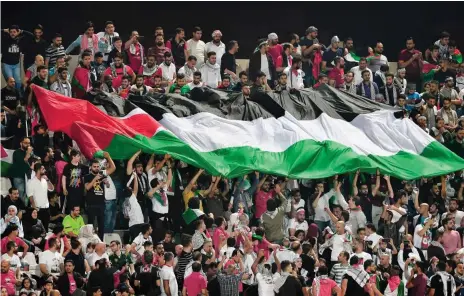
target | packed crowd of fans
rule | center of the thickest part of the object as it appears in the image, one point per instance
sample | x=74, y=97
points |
x=190, y=233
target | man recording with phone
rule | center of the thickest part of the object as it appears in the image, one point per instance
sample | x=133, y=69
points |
x=95, y=184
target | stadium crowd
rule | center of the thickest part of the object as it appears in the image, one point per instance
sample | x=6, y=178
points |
x=189, y=233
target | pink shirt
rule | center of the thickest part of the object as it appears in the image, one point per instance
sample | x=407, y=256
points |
x=72, y=284
x=326, y=286
x=59, y=165
x=216, y=238
x=119, y=74
x=8, y=281
x=261, y=202
x=194, y=283
x=19, y=242
x=65, y=241
x=275, y=51
x=135, y=60
x=263, y=244
x=451, y=241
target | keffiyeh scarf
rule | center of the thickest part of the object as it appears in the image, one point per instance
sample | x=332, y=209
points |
x=363, y=91
x=358, y=275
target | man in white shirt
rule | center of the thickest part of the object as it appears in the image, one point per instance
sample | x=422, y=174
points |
x=378, y=59
x=197, y=82
x=359, y=252
x=298, y=223
x=216, y=46
x=37, y=190
x=453, y=211
x=211, y=71
x=372, y=238
x=62, y=85
x=196, y=47
x=105, y=39
x=137, y=243
x=264, y=276
x=132, y=209
x=168, y=69
x=321, y=217
x=189, y=68
x=168, y=278
x=295, y=74
x=358, y=70
x=99, y=253
x=50, y=261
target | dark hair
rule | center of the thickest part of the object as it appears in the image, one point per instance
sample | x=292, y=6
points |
x=192, y=58
x=284, y=264
x=219, y=220
x=14, y=27
x=52, y=242
x=345, y=215
x=421, y=265
x=69, y=261
x=108, y=23
x=226, y=77
x=116, y=38
x=179, y=30
x=452, y=43
x=210, y=54
x=58, y=228
x=196, y=267
x=196, y=256
x=62, y=69
x=41, y=67
x=365, y=71
x=147, y=244
x=231, y=44
x=159, y=34
x=10, y=245
x=57, y=35
x=194, y=203
x=73, y=153
x=231, y=242
x=144, y=228
x=389, y=75
x=148, y=256
x=196, y=29
x=345, y=254
x=88, y=25
x=243, y=73
x=93, y=160
x=260, y=74
x=410, y=38
x=181, y=76
x=362, y=59
x=167, y=54
x=154, y=183
x=441, y=265
x=186, y=240
x=10, y=191
x=118, y=55
x=37, y=167
x=354, y=260
x=86, y=54
x=371, y=226
x=296, y=59
x=384, y=68
x=399, y=195
x=445, y=221
x=368, y=263
x=323, y=270
x=271, y=205
x=444, y=34
x=75, y=243
x=197, y=223
x=197, y=73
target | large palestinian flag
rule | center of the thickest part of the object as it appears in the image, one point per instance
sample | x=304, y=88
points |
x=310, y=134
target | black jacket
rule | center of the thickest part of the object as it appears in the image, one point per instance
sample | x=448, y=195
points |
x=255, y=66
x=103, y=279
x=63, y=283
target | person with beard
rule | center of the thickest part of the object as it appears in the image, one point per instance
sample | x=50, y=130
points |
x=367, y=88
x=430, y=111
x=20, y=167
x=118, y=70
x=160, y=205
x=149, y=71
x=377, y=59
x=441, y=283
x=216, y=46
x=159, y=49
x=84, y=76
x=451, y=238
x=108, y=84
x=147, y=277
x=285, y=59
x=210, y=71
x=261, y=62
x=355, y=279
x=142, y=179
x=167, y=70
x=457, y=144
x=95, y=184
x=188, y=69
x=62, y=85
x=228, y=64
x=348, y=84
x=139, y=88
x=273, y=218
x=390, y=92
x=368, y=203
x=379, y=77
x=288, y=283
x=37, y=191
x=294, y=74
x=411, y=60
x=40, y=79
x=337, y=73
x=217, y=198
x=263, y=194
x=453, y=211
x=448, y=114
x=298, y=223
x=349, y=54
x=178, y=47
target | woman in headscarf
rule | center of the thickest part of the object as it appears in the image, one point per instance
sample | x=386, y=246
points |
x=11, y=218
x=34, y=230
x=400, y=82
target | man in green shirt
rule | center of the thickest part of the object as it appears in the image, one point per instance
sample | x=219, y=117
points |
x=73, y=222
x=180, y=83
x=20, y=166
x=118, y=259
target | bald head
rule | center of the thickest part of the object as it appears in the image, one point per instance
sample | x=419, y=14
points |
x=340, y=227
x=100, y=248
x=5, y=265
x=10, y=82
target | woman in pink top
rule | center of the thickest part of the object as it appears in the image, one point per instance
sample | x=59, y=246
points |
x=323, y=285
x=220, y=233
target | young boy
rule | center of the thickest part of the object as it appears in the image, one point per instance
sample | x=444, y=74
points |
x=181, y=84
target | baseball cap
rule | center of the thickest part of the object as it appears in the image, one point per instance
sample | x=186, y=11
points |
x=272, y=36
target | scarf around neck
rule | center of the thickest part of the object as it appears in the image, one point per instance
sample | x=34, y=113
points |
x=363, y=91
x=281, y=281
x=147, y=71
x=33, y=70
x=382, y=76
x=359, y=275
x=85, y=43
x=444, y=279
x=387, y=95
x=60, y=84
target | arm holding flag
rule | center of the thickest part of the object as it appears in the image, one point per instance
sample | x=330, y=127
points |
x=112, y=167
x=130, y=168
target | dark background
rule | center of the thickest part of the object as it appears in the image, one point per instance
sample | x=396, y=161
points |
x=246, y=22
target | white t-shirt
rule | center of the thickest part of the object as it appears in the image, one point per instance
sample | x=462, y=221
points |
x=15, y=262
x=52, y=260
x=266, y=284
x=167, y=274
x=135, y=212
x=294, y=80
x=135, y=89
x=188, y=74
x=197, y=49
x=161, y=175
x=192, y=85
x=38, y=189
x=265, y=66
x=157, y=207
x=337, y=247
x=294, y=224
x=375, y=238
x=363, y=256
x=94, y=257
x=110, y=192
x=357, y=75
x=139, y=241
x=219, y=50
x=458, y=215
x=167, y=72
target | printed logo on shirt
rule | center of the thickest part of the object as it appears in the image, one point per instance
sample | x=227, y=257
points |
x=14, y=48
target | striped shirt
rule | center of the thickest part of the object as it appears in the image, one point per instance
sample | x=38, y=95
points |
x=53, y=53
x=182, y=262
x=337, y=272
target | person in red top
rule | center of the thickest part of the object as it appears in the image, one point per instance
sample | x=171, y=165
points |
x=262, y=196
x=159, y=49
x=8, y=278
x=149, y=71
x=195, y=283
x=220, y=233
x=285, y=59
x=11, y=235
x=58, y=233
x=411, y=60
x=337, y=73
x=134, y=51
x=118, y=70
x=275, y=49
